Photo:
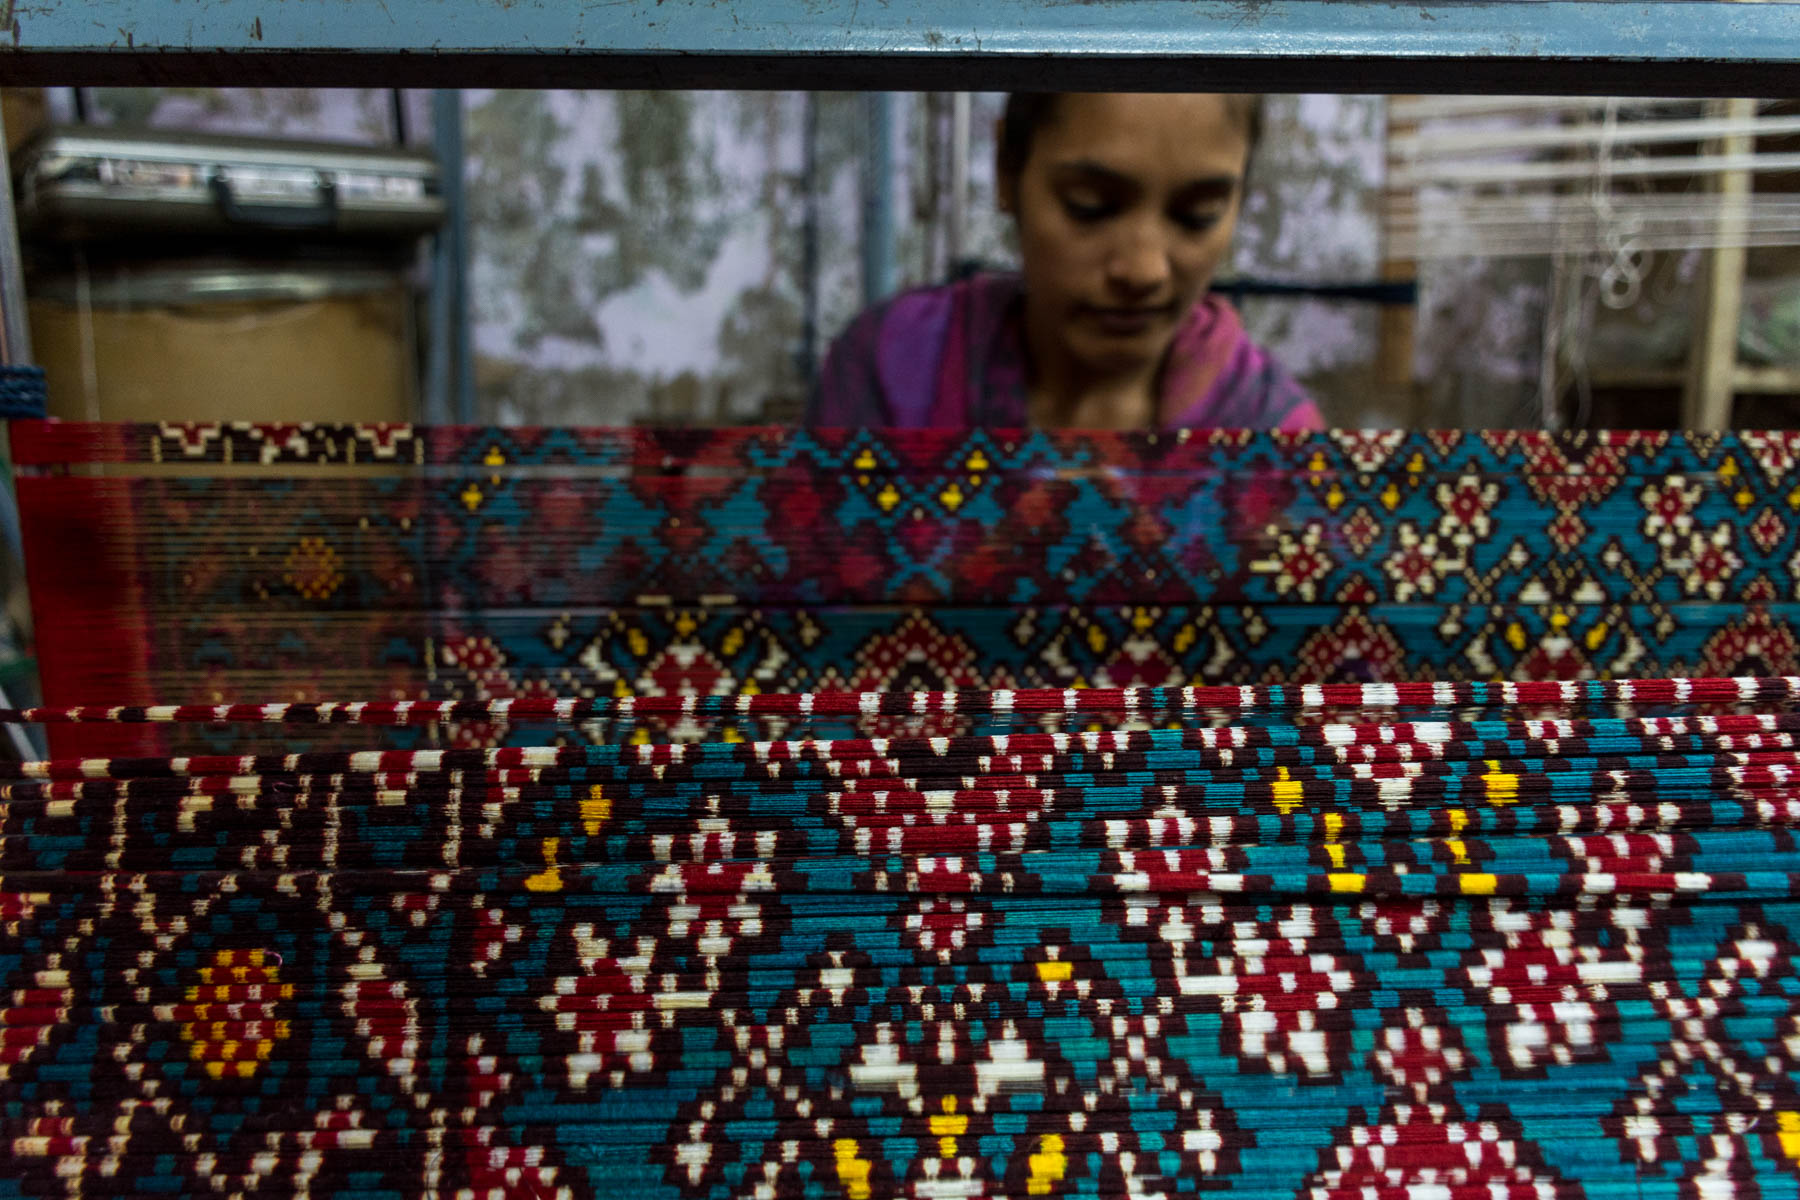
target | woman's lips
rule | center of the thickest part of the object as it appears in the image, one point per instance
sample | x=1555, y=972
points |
x=1127, y=322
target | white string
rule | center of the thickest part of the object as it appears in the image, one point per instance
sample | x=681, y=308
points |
x=1584, y=183
x=1540, y=247
x=1433, y=108
x=1417, y=148
x=1621, y=279
x=1500, y=205
x=1527, y=225
x=1511, y=174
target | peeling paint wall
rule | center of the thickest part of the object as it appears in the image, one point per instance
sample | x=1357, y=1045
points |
x=342, y=114
x=1312, y=215
x=637, y=255
x=629, y=253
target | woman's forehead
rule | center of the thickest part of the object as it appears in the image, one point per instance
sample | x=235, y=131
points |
x=1173, y=133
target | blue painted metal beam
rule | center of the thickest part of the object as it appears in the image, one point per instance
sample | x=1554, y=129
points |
x=878, y=249
x=1689, y=47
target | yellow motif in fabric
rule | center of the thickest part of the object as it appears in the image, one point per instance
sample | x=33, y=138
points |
x=237, y=984
x=852, y=1168
x=1502, y=787
x=976, y=463
x=1787, y=1132
x=595, y=810
x=1288, y=794
x=947, y=1126
x=1459, y=852
x=550, y=878
x=1048, y=1165
x=313, y=568
x=1334, y=835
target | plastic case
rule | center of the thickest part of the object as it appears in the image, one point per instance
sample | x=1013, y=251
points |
x=89, y=183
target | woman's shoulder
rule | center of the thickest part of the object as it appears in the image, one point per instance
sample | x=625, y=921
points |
x=1268, y=396
x=882, y=368
x=934, y=304
x=1226, y=379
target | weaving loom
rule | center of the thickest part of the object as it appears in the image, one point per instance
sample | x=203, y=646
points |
x=771, y=814
x=562, y=813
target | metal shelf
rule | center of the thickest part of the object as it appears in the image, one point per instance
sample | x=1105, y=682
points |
x=1586, y=47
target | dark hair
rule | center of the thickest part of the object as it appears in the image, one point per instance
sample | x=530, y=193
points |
x=1028, y=112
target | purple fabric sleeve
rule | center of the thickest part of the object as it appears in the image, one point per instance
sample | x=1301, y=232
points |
x=1252, y=391
x=883, y=369
x=847, y=394
x=910, y=350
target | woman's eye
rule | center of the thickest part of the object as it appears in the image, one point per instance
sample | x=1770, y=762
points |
x=1197, y=221
x=1085, y=210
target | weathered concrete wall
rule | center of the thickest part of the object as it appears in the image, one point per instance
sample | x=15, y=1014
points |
x=633, y=253
x=1312, y=215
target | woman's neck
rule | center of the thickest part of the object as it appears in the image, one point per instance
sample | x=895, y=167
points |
x=1061, y=395
x=1126, y=403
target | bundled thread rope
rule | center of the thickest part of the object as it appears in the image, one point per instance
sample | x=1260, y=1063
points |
x=1431, y=944
x=1067, y=701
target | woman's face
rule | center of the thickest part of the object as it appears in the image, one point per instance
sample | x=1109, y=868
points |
x=1125, y=206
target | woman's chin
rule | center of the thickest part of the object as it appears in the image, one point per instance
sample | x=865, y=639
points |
x=1118, y=355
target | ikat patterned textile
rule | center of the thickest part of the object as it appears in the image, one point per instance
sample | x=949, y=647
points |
x=198, y=564
x=1413, y=942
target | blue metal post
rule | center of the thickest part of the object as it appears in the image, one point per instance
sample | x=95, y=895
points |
x=878, y=197
x=440, y=350
x=808, y=354
x=450, y=372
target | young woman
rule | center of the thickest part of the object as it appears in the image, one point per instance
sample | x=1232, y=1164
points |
x=1125, y=206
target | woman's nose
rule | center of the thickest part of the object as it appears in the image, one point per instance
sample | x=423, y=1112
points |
x=1139, y=263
